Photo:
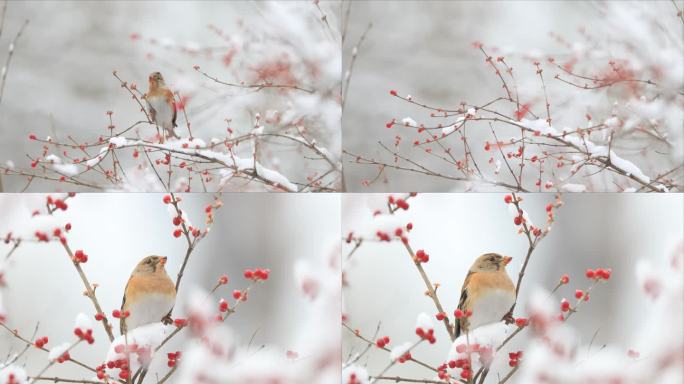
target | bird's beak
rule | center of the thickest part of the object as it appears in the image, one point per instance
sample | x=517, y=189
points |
x=162, y=260
x=507, y=259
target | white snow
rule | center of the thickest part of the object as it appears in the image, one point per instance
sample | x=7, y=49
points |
x=409, y=122
x=66, y=169
x=96, y=160
x=194, y=148
x=399, y=351
x=451, y=128
x=146, y=336
x=491, y=335
x=590, y=147
x=58, y=350
x=275, y=177
x=83, y=322
x=357, y=372
x=424, y=322
x=18, y=373
x=118, y=141
x=53, y=159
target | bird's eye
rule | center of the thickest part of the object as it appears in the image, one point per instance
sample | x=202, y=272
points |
x=148, y=261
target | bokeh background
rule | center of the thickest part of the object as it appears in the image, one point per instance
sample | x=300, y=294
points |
x=116, y=231
x=60, y=79
x=591, y=231
x=424, y=49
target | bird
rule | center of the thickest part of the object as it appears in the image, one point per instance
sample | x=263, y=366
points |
x=487, y=292
x=149, y=296
x=161, y=104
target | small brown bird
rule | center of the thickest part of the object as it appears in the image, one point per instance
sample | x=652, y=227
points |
x=487, y=291
x=161, y=104
x=149, y=295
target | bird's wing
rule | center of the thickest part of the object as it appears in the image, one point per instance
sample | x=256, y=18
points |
x=172, y=101
x=122, y=322
x=462, y=303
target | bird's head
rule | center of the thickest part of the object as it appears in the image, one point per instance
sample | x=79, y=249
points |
x=490, y=262
x=156, y=79
x=151, y=264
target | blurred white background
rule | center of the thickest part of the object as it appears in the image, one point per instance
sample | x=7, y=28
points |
x=591, y=231
x=424, y=49
x=60, y=80
x=116, y=231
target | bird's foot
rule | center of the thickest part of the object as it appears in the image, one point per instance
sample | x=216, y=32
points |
x=166, y=320
x=508, y=318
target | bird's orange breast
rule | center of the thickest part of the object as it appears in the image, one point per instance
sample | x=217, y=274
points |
x=139, y=286
x=481, y=282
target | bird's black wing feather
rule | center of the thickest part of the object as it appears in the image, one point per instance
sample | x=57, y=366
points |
x=461, y=304
x=122, y=322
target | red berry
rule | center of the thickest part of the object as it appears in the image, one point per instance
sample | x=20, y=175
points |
x=565, y=279
x=393, y=92
x=590, y=274
x=517, y=220
x=223, y=280
x=166, y=199
x=508, y=199
x=604, y=273
x=565, y=305
x=177, y=233
x=579, y=294
x=223, y=305
x=237, y=294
